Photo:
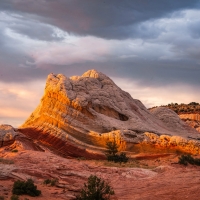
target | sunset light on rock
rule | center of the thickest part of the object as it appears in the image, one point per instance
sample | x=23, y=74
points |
x=99, y=99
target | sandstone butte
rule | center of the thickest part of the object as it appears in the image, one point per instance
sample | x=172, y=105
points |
x=78, y=115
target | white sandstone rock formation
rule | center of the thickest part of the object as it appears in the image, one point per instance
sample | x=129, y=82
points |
x=83, y=112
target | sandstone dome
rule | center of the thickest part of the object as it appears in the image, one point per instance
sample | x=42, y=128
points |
x=79, y=114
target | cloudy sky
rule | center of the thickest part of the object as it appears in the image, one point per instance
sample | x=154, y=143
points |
x=150, y=48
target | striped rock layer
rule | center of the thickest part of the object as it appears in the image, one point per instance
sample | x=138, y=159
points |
x=78, y=115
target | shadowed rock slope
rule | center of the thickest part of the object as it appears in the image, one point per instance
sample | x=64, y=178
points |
x=190, y=113
x=78, y=115
x=11, y=139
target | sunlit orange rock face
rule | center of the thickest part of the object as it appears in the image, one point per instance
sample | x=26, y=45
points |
x=78, y=115
x=192, y=120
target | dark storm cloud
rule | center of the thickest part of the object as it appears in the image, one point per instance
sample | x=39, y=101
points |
x=101, y=18
x=16, y=61
x=148, y=73
x=111, y=19
x=194, y=29
x=149, y=48
x=29, y=27
x=36, y=30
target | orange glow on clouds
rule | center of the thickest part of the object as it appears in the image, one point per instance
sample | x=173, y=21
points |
x=17, y=101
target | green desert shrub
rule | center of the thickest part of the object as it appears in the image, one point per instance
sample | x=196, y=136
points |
x=118, y=158
x=51, y=182
x=14, y=150
x=25, y=187
x=47, y=181
x=95, y=189
x=14, y=197
x=188, y=159
x=111, y=153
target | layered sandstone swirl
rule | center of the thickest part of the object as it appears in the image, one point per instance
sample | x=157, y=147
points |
x=78, y=115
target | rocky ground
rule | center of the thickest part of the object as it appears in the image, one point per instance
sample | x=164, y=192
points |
x=148, y=178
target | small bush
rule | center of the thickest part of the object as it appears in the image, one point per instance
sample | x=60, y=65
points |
x=112, y=148
x=95, y=189
x=28, y=187
x=47, y=181
x=185, y=159
x=112, y=151
x=1, y=197
x=14, y=197
x=118, y=158
x=123, y=158
x=14, y=150
x=51, y=182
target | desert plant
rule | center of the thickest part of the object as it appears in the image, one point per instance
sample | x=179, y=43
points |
x=28, y=187
x=14, y=197
x=95, y=189
x=112, y=147
x=53, y=182
x=50, y=182
x=185, y=159
x=14, y=150
x=111, y=153
x=118, y=158
x=123, y=157
x=47, y=181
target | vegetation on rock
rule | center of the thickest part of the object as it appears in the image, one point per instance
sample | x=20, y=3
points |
x=188, y=159
x=192, y=107
x=25, y=187
x=96, y=188
x=112, y=151
x=14, y=197
x=14, y=151
x=51, y=182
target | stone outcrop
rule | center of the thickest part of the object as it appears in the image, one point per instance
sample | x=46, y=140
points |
x=195, y=117
x=11, y=139
x=78, y=115
x=172, y=142
x=189, y=113
x=173, y=121
x=192, y=120
x=7, y=135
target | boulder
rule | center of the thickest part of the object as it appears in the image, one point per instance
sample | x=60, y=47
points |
x=7, y=135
